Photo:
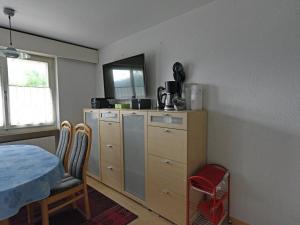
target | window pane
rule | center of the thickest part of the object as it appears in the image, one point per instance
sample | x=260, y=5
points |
x=27, y=73
x=30, y=99
x=138, y=77
x=122, y=82
x=122, y=78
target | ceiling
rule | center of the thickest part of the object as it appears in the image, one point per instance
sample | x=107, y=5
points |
x=93, y=23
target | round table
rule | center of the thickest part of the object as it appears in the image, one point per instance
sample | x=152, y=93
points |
x=27, y=174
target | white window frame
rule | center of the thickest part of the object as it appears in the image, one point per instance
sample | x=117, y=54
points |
x=7, y=127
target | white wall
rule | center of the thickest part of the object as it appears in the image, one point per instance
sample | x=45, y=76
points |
x=47, y=143
x=248, y=55
x=47, y=46
x=76, y=84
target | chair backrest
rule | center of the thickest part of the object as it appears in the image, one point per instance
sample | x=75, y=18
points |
x=80, y=152
x=64, y=144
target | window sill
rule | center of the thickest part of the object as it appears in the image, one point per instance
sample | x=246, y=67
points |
x=14, y=135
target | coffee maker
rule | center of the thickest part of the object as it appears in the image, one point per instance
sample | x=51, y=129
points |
x=165, y=95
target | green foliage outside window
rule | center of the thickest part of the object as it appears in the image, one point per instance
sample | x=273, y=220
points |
x=30, y=79
x=34, y=79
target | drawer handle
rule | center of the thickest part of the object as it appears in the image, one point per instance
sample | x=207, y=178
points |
x=133, y=113
x=109, y=146
x=110, y=167
x=167, y=131
x=166, y=161
x=166, y=192
x=166, y=114
x=109, y=123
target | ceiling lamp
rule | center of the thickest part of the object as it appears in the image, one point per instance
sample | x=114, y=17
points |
x=11, y=52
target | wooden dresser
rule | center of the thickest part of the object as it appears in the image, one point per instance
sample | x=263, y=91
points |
x=176, y=149
x=147, y=155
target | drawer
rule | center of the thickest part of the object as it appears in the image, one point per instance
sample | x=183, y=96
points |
x=168, y=143
x=110, y=133
x=110, y=115
x=167, y=203
x=176, y=120
x=167, y=173
x=111, y=153
x=111, y=174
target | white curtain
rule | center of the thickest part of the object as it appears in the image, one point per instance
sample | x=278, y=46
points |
x=1, y=108
x=30, y=106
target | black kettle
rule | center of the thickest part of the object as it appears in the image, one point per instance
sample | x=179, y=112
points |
x=166, y=94
x=161, y=97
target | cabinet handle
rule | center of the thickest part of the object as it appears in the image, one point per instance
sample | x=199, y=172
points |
x=166, y=114
x=109, y=123
x=108, y=146
x=110, y=167
x=166, y=161
x=167, y=131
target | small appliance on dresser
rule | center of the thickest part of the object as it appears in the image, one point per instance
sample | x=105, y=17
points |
x=171, y=93
x=165, y=95
x=141, y=103
x=100, y=103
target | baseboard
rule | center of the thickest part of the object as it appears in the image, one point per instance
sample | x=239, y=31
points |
x=238, y=222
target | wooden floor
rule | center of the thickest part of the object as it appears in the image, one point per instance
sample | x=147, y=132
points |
x=145, y=216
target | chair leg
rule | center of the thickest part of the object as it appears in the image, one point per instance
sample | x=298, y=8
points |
x=45, y=213
x=74, y=206
x=86, y=203
x=30, y=214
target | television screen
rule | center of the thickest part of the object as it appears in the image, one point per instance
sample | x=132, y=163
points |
x=125, y=79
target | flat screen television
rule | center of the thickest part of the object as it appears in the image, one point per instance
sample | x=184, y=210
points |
x=125, y=79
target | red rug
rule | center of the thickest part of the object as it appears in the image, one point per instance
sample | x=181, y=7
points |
x=104, y=212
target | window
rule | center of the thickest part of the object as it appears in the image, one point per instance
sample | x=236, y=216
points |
x=27, y=92
x=138, y=78
x=122, y=81
x=128, y=82
x=1, y=104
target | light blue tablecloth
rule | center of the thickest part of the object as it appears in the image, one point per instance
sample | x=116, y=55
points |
x=27, y=173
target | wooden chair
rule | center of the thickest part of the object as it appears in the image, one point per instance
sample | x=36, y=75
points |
x=64, y=144
x=73, y=186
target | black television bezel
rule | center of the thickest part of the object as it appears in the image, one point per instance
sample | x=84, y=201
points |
x=121, y=60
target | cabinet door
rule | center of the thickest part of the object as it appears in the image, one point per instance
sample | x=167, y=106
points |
x=92, y=120
x=134, y=128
